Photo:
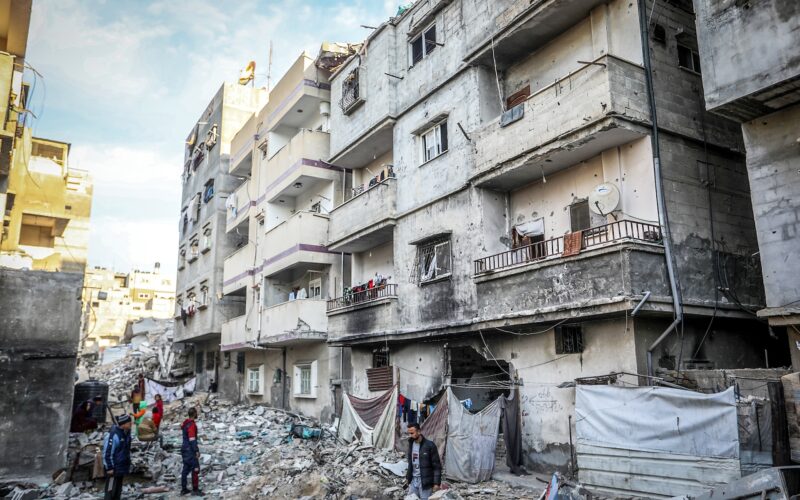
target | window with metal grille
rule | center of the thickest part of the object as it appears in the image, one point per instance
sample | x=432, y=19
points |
x=305, y=379
x=433, y=260
x=423, y=44
x=351, y=90
x=380, y=357
x=198, y=362
x=211, y=360
x=569, y=339
x=579, y=217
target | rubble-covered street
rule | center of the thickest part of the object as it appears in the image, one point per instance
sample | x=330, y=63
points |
x=250, y=452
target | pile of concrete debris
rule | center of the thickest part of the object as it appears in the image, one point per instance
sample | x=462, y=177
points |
x=255, y=451
x=151, y=352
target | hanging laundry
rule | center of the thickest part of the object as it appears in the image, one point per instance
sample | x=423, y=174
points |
x=467, y=403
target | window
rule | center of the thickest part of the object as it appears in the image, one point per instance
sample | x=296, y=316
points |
x=423, y=44
x=226, y=360
x=211, y=137
x=352, y=95
x=95, y=304
x=434, y=141
x=181, y=258
x=433, y=260
x=569, y=339
x=208, y=191
x=380, y=357
x=688, y=58
x=144, y=295
x=203, y=293
x=305, y=380
x=579, y=217
x=659, y=34
x=194, y=250
x=206, y=238
x=198, y=362
x=211, y=360
x=315, y=289
x=255, y=374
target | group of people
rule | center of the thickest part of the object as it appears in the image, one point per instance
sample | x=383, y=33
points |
x=117, y=456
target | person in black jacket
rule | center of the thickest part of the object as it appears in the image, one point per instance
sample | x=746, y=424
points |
x=424, y=474
x=117, y=456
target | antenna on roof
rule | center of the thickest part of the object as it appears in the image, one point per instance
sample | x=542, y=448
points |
x=269, y=68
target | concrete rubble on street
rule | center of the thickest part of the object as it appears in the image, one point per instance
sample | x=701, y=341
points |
x=250, y=452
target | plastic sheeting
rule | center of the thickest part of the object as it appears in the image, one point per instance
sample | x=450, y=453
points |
x=471, y=441
x=658, y=419
x=355, y=411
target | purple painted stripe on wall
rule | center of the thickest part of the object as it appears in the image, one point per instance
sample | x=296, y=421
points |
x=294, y=92
x=239, y=276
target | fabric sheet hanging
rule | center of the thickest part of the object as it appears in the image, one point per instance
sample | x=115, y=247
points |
x=512, y=431
x=471, y=441
x=169, y=391
x=374, y=419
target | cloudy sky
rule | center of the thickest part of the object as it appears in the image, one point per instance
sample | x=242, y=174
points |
x=124, y=81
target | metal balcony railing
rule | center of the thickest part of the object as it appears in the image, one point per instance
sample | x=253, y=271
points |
x=362, y=297
x=608, y=233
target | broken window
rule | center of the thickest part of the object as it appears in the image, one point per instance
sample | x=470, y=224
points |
x=204, y=293
x=569, y=339
x=579, y=216
x=434, y=141
x=423, y=44
x=380, y=357
x=688, y=58
x=659, y=34
x=433, y=260
x=351, y=90
x=211, y=137
x=194, y=248
x=207, y=237
x=211, y=360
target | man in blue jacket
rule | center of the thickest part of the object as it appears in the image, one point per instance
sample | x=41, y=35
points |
x=190, y=453
x=117, y=457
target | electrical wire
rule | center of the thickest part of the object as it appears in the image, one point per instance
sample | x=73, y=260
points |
x=523, y=334
x=480, y=332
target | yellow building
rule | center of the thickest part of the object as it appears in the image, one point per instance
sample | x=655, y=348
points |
x=111, y=300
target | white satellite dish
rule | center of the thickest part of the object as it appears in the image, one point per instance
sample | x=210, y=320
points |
x=604, y=198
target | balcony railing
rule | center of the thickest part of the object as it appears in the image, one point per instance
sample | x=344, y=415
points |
x=351, y=298
x=592, y=237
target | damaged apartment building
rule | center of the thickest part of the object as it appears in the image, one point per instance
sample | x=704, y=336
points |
x=532, y=193
x=204, y=243
x=284, y=274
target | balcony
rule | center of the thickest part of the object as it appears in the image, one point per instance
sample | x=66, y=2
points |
x=294, y=322
x=242, y=147
x=296, y=242
x=616, y=260
x=599, y=106
x=299, y=89
x=238, y=270
x=240, y=207
x=235, y=334
x=299, y=166
x=364, y=314
x=366, y=220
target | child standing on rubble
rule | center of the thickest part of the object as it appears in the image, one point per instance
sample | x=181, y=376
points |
x=158, y=411
x=190, y=453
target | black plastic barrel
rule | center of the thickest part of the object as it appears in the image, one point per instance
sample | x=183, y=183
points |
x=86, y=391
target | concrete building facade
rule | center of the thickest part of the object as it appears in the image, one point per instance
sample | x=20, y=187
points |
x=201, y=307
x=112, y=300
x=751, y=62
x=511, y=199
x=285, y=273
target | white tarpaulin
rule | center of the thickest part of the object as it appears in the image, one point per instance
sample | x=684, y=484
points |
x=657, y=419
x=531, y=228
x=168, y=393
x=383, y=432
x=471, y=441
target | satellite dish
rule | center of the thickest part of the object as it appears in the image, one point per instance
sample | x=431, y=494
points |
x=604, y=198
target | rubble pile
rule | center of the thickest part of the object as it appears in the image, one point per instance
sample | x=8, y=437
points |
x=151, y=352
x=254, y=451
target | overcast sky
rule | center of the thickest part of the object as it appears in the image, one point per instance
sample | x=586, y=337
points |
x=124, y=81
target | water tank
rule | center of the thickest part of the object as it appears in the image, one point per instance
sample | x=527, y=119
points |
x=325, y=108
x=89, y=390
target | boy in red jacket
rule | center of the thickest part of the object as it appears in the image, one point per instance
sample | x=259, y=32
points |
x=158, y=411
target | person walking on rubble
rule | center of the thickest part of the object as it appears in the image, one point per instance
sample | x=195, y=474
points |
x=117, y=457
x=424, y=473
x=190, y=453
